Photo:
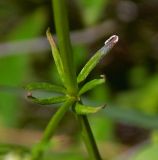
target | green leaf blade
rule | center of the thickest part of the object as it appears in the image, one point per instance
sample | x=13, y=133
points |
x=45, y=86
x=47, y=101
x=56, y=56
x=91, y=84
x=84, y=109
x=96, y=58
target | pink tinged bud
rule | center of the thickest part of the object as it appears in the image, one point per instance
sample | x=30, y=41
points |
x=109, y=44
x=112, y=41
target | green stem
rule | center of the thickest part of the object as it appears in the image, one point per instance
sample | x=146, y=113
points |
x=50, y=129
x=62, y=29
x=89, y=138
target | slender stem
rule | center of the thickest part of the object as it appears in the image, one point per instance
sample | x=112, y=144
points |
x=50, y=129
x=89, y=138
x=62, y=29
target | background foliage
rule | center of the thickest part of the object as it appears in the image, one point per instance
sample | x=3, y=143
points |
x=129, y=122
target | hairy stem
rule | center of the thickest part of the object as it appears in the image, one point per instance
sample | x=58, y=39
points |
x=70, y=80
x=62, y=29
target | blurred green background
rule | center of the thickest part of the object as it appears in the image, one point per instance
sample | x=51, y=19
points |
x=127, y=128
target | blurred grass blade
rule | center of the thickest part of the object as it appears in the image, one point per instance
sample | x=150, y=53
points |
x=132, y=117
x=96, y=58
x=91, y=84
x=45, y=86
x=30, y=26
x=83, y=109
x=46, y=101
x=56, y=55
x=5, y=148
x=15, y=68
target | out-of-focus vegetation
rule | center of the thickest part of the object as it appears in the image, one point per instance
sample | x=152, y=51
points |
x=130, y=119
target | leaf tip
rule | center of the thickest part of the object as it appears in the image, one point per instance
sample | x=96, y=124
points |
x=104, y=106
x=49, y=37
x=112, y=40
x=29, y=94
x=103, y=76
x=48, y=32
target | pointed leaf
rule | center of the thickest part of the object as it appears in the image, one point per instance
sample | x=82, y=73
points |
x=56, y=55
x=46, y=101
x=96, y=58
x=45, y=86
x=91, y=84
x=83, y=109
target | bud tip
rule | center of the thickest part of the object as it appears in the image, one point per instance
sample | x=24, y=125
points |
x=29, y=94
x=112, y=40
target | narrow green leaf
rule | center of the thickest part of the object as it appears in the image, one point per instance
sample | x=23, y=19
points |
x=45, y=86
x=96, y=58
x=56, y=55
x=46, y=101
x=91, y=84
x=83, y=109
